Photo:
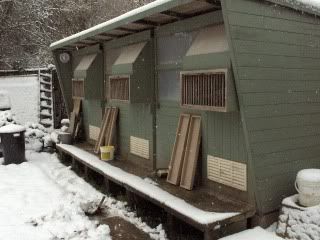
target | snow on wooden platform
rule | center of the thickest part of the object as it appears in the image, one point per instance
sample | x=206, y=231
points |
x=253, y=234
x=179, y=205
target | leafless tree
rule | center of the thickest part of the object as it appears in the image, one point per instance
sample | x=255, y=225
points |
x=27, y=27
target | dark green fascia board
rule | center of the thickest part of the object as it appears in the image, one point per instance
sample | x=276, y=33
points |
x=87, y=50
x=128, y=40
x=122, y=69
x=207, y=61
x=57, y=63
x=297, y=6
x=191, y=24
x=129, y=17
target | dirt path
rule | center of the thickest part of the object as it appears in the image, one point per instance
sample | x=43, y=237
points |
x=120, y=229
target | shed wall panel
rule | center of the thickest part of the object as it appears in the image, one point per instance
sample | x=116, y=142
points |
x=275, y=53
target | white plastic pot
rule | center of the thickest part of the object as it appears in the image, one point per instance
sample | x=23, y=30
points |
x=308, y=187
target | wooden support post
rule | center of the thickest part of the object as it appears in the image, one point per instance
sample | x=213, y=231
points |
x=130, y=198
x=210, y=234
x=73, y=164
x=170, y=226
x=86, y=175
x=106, y=188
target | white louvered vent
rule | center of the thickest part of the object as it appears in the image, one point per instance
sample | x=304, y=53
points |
x=139, y=147
x=94, y=132
x=227, y=172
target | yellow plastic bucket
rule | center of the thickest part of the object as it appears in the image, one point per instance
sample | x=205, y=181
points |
x=107, y=153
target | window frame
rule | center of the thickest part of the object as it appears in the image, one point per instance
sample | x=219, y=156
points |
x=109, y=87
x=204, y=107
x=83, y=88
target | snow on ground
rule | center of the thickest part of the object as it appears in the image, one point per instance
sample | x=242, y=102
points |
x=253, y=234
x=23, y=91
x=43, y=199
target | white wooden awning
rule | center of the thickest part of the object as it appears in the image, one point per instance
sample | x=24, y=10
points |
x=84, y=65
x=209, y=40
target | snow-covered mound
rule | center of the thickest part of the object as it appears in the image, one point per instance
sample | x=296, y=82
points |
x=298, y=223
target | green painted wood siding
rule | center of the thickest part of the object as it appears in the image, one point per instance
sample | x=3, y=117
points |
x=276, y=58
x=134, y=120
x=92, y=114
x=222, y=134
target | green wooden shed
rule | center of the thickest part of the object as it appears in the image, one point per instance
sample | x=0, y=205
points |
x=249, y=68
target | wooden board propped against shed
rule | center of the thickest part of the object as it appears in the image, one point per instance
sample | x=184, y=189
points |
x=111, y=129
x=108, y=128
x=191, y=153
x=175, y=165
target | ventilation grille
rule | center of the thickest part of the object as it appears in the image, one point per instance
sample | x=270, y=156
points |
x=204, y=90
x=139, y=147
x=119, y=88
x=94, y=132
x=227, y=172
x=77, y=88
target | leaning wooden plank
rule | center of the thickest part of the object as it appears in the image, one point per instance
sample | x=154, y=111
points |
x=102, y=130
x=72, y=123
x=108, y=127
x=177, y=156
x=191, y=153
x=77, y=106
x=109, y=139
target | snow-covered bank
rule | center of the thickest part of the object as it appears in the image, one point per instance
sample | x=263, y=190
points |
x=43, y=199
x=36, y=135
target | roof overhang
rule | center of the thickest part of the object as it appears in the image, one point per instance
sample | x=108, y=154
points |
x=152, y=15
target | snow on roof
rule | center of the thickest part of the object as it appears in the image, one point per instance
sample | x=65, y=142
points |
x=312, y=4
x=133, y=15
x=12, y=128
x=171, y=201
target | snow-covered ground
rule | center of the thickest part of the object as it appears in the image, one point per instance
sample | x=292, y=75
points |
x=43, y=199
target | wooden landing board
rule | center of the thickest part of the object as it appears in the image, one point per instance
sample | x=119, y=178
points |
x=103, y=130
x=175, y=165
x=191, y=153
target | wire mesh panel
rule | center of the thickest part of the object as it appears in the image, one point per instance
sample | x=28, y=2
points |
x=204, y=90
x=78, y=88
x=119, y=88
